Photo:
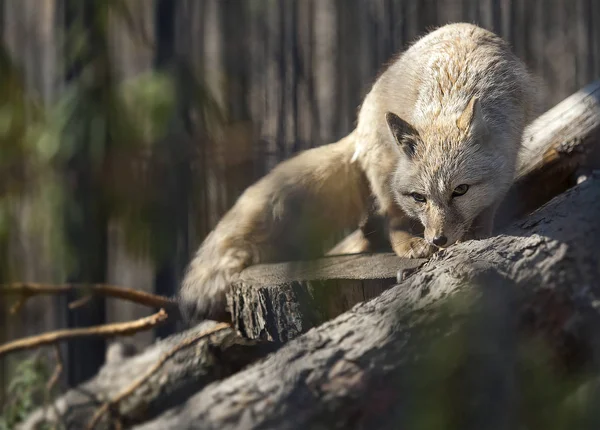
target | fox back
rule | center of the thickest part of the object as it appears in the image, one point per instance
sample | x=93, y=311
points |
x=288, y=214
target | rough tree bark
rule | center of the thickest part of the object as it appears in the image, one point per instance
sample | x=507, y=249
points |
x=538, y=282
x=196, y=358
x=223, y=353
x=278, y=302
x=558, y=147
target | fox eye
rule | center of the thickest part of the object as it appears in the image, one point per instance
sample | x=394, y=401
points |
x=418, y=197
x=460, y=190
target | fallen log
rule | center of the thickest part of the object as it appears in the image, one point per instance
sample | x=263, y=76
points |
x=556, y=146
x=138, y=388
x=458, y=344
x=209, y=358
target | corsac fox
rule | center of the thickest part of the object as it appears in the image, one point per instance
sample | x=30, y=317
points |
x=455, y=104
x=436, y=144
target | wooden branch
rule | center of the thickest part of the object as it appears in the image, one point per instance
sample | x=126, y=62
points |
x=129, y=390
x=108, y=330
x=171, y=370
x=465, y=324
x=27, y=290
x=58, y=369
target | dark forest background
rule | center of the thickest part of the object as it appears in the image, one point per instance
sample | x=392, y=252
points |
x=128, y=127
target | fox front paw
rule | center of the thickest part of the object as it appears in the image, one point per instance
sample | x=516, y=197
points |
x=420, y=248
x=415, y=247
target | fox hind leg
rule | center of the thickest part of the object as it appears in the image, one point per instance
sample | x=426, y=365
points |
x=203, y=294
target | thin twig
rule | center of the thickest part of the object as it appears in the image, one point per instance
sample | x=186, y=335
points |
x=57, y=370
x=28, y=290
x=75, y=304
x=107, y=330
x=129, y=390
x=17, y=306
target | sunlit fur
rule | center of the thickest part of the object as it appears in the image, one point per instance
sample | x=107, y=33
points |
x=429, y=87
x=286, y=215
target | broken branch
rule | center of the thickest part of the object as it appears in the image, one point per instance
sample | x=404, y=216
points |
x=28, y=290
x=128, y=391
x=107, y=330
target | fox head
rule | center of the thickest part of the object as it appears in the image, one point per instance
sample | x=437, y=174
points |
x=449, y=171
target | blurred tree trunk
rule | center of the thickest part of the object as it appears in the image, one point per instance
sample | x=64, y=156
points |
x=238, y=157
x=130, y=263
x=85, y=214
x=176, y=149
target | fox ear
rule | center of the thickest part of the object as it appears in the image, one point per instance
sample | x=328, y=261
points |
x=404, y=133
x=472, y=117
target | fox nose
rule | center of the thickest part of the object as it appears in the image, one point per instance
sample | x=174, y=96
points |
x=440, y=240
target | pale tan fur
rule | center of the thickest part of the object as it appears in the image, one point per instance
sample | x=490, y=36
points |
x=458, y=94
x=286, y=215
x=466, y=99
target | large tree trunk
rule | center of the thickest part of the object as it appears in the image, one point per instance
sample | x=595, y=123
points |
x=465, y=323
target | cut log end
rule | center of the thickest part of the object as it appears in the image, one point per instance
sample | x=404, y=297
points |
x=277, y=302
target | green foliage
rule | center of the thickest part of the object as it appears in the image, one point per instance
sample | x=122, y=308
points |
x=20, y=115
x=26, y=391
x=26, y=173
x=109, y=127
x=149, y=101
